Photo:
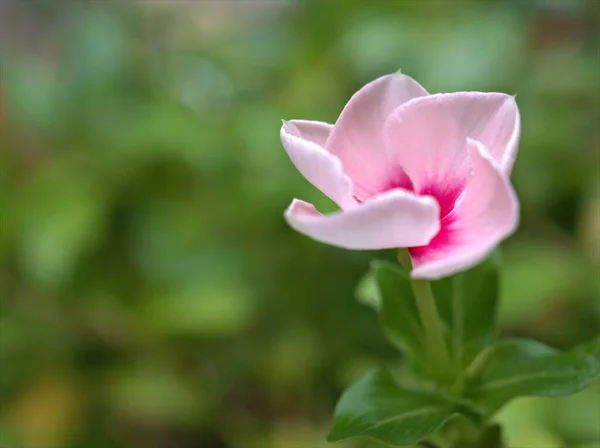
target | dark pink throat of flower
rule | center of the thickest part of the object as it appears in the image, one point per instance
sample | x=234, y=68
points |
x=446, y=195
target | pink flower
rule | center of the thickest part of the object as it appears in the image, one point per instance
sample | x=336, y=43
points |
x=410, y=169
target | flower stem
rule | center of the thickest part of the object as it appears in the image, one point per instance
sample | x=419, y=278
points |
x=458, y=324
x=434, y=336
x=432, y=325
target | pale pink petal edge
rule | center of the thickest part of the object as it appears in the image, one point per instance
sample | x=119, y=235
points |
x=510, y=154
x=357, y=136
x=320, y=168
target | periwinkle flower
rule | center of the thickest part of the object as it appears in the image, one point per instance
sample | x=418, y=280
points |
x=408, y=169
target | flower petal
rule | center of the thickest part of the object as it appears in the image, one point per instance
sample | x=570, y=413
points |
x=487, y=213
x=393, y=219
x=427, y=143
x=357, y=135
x=303, y=142
x=313, y=131
x=492, y=119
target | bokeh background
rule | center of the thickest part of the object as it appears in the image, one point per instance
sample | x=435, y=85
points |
x=151, y=295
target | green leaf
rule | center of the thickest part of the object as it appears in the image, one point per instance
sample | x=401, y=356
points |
x=490, y=437
x=591, y=348
x=468, y=304
x=376, y=407
x=528, y=368
x=398, y=311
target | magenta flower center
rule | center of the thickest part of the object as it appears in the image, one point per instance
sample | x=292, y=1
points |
x=446, y=195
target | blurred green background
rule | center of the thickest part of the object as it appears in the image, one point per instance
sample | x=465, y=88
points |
x=151, y=294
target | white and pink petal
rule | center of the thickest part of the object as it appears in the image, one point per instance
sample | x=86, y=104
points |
x=485, y=214
x=303, y=142
x=428, y=144
x=393, y=219
x=490, y=118
x=357, y=136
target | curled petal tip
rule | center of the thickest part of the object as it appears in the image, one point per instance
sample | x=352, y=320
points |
x=303, y=141
x=391, y=220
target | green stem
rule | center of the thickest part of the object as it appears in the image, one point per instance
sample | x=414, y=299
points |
x=479, y=363
x=434, y=336
x=430, y=319
x=458, y=324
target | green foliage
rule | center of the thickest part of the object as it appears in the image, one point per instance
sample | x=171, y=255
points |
x=519, y=368
x=468, y=304
x=376, y=407
x=399, y=315
x=491, y=437
x=591, y=348
x=486, y=375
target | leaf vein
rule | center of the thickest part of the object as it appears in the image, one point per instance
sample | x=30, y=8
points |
x=406, y=415
x=513, y=380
